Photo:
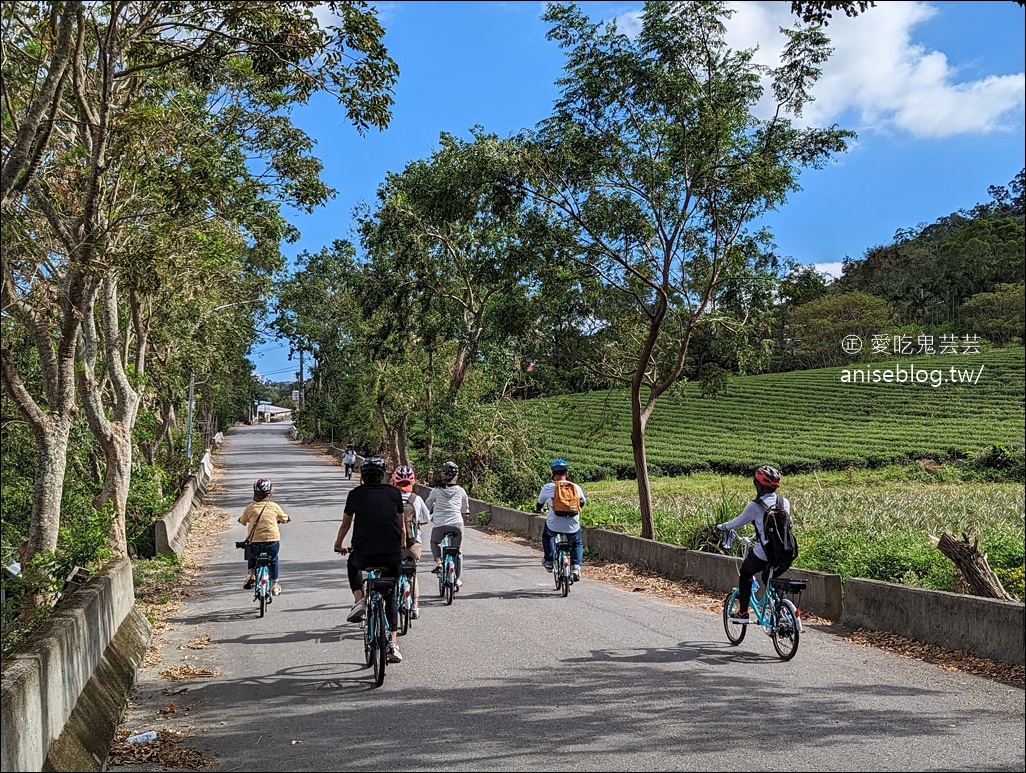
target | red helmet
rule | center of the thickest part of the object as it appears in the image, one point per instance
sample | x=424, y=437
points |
x=767, y=476
x=403, y=475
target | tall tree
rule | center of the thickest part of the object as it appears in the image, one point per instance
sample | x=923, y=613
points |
x=248, y=62
x=655, y=164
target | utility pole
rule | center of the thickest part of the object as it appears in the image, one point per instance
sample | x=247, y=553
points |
x=301, y=390
x=188, y=422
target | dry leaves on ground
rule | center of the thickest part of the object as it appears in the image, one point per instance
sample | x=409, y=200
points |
x=179, y=673
x=697, y=596
x=165, y=751
x=200, y=642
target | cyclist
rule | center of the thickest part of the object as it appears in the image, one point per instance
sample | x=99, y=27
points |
x=349, y=460
x=448, y=503
x=415, y=516
x=374, y=510
x=263, y=535
x=767, y=481
x=563, y=517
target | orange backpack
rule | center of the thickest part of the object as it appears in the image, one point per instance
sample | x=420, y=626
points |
x=565, y=499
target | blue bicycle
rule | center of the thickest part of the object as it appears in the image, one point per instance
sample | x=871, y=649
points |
x=447, y=574
x=377, y=635
x=776, y=612
x=561, y=568
x=404, y=596
x=262, y=587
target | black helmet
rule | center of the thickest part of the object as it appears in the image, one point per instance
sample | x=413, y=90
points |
x=262, y=486
x=450, y=470
x=373, y=464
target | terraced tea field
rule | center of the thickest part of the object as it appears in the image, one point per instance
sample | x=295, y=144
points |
x=939, y=407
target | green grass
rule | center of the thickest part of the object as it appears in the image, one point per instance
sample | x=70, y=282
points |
x=799, y=421
x=874, y=524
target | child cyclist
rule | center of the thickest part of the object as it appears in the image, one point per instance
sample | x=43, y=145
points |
x=263, y=535
x=564, y=500
x=415, y=516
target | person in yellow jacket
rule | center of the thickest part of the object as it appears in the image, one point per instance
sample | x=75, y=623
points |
x=263, y=534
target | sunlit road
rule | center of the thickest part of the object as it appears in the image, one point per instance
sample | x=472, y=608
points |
x=514, y=677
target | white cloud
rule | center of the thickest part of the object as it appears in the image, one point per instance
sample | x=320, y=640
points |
x=878, y=71
x=832, y=270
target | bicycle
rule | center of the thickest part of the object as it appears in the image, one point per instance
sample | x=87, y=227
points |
x=561, y=569
x=377, y=634
x=262, y=586
x=405, y=596
x=779, y=616
x=447, y=574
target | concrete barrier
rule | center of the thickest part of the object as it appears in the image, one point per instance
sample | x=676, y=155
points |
x=63, y=690
x=987, y=628
x=171, y=531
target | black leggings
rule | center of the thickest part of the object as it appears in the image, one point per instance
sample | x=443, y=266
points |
x=750, y=567
x=391, y=563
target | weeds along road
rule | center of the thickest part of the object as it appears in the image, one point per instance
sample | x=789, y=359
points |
x=514, y=677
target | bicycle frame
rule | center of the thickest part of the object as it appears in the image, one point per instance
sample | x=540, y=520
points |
x=262, y=586
x=377, y=634
x=404, y=591
x=561, y=568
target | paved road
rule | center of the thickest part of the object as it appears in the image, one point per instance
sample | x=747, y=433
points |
x=514, y=677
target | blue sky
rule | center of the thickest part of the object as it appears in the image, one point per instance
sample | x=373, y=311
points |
x=935, y=91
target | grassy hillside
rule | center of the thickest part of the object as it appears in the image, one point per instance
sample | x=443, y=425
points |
x=800, y=421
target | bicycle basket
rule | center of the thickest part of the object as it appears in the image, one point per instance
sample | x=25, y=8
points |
x=449, y=551
x=409, y=569
x=263, y=559
x=562, y=541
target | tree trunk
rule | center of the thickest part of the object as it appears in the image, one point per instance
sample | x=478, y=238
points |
x=973, y=565
x=641, y=464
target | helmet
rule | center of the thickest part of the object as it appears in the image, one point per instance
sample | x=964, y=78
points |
x=767, y=476
x=262, y=486
x=373, y=464
x=450, y=470
x=560, y=464
x=403, y=475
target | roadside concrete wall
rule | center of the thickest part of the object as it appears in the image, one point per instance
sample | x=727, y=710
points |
x=987, y=628
x=171, y=532
x=984, y=627
x=63, y=690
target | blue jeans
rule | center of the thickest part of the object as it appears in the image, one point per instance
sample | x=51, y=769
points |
x=271, y=548
x=576, y=546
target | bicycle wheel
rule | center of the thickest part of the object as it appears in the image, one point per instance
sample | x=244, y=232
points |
x=262, y=593
x=564, y=582
x=381, y=643
x=785, y=630
x=369, y=645
x=735, y=631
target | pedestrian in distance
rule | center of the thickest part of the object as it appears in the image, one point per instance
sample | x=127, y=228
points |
x=374, y=511
x=562, y=499
x=263, y=535
x=449, y=505
x=415, y=517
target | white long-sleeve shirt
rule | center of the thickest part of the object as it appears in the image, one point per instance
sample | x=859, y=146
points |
x=753, y=513
x=448, y=505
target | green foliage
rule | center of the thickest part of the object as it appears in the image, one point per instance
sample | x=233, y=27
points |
x=149, y=498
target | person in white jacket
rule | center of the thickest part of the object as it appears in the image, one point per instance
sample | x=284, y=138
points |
x=449, y=505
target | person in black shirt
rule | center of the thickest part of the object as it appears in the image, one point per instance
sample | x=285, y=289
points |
x=374, y=510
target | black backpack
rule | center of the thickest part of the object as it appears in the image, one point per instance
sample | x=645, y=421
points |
x=778, y=537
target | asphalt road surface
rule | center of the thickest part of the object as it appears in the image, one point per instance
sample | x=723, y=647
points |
x=515, y=677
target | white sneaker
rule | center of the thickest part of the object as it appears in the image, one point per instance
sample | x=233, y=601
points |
x=575, y=573
x=394, y=656
x=414, y=612
x=459, y=583
x=742, y=619
x=357, y=612
x=547, y=565
x=438, y=566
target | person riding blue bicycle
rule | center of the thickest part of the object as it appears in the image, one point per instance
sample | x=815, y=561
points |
x=416, y=516
x=767, y=481
x=264, y=535
x=374, y=510
x=449, y=505
x=564, y=500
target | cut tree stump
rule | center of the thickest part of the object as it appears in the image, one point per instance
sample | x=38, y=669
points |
x=966, y=555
